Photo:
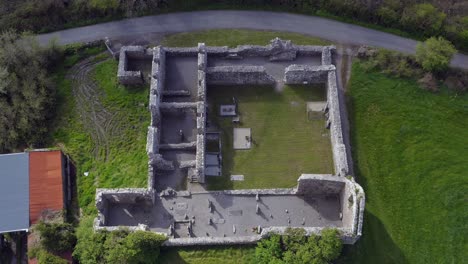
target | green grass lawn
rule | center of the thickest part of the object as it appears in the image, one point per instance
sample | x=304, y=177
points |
x=411, y=156
x=208, y=255
x=234, y=37
x=285, y=142
x=126, y=162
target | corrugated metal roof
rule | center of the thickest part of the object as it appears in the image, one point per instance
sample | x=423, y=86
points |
x=14, y=192
x=46, y=183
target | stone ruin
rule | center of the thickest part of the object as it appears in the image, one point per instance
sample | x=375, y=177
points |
x=350, y=195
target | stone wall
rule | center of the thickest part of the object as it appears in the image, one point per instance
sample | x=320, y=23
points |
x=238, y=75
x=319, y=184
x=340, y=159
x=104, y=197
x=125, y=76
x=201, y=114
x=304, y=74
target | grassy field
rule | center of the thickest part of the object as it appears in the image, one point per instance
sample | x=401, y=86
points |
x=410, y=154
x=234, y=37
x=285, y=142
x=125, y=163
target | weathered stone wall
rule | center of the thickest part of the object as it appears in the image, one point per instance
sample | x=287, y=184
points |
x=304, y=74
x=326, y=55
x=319, y=184
x=201, y=114
x=125, y=76
x=158, y=77
x=181, y=52
x=104, y=197
x=352, y=207
x=340, y=159
x=238, y=75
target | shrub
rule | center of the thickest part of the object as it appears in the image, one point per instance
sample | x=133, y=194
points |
x=435, y=54
x=392, y=63
x=120, y=246
x=428, y=83
x=56, y=237
x=44, y=257
x=423, y=17
x=296, y=248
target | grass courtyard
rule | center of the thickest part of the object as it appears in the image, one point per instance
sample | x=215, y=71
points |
x=285, y=142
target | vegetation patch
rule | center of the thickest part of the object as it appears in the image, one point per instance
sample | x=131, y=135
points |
x=409, y=149
x=116, y=157
x=285, y=142
x=234, y=37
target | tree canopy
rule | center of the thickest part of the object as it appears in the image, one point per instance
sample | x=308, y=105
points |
x=435, y=54
x=296, y=248
x=27, y=93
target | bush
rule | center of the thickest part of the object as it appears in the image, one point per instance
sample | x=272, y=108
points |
x=296, y=248
x=392, y=63
x=44, y=257
x=423, y=17
x=119, y=246
x=435, y=54
x=56, y=237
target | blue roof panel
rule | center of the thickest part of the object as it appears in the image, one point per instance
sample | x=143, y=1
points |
x=14, y=192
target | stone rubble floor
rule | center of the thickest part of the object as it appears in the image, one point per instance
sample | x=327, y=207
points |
x=228, y=210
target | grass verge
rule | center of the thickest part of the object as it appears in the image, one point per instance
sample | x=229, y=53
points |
x=285, y=142
x=410, y=156
x=208, y=255
x=234, y=37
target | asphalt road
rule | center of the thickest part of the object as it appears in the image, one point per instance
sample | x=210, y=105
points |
x=201, y=20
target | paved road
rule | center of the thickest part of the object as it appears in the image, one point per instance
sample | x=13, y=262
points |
x=201, y=20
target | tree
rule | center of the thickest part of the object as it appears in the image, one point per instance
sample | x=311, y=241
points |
x=435, y=54
x=423, y=17
x=27, y=93
x=56, y=237
x=295, y=248
x=269, y=250
x=120, y=246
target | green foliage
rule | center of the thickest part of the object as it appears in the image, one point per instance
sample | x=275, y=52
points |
x=233, y=254
x=56, y=237
x=269, y=250
x=393, y=63
x=27, y=93
x=423, y=17
x=435, y=54
x=295, y=248
x=409, y=148
x=119, y=246
x=90, y=247
x=44, y=257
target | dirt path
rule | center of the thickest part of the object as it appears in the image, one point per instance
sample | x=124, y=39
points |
x=99, y=122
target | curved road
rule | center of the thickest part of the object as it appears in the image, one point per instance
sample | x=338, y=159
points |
x=201, y=20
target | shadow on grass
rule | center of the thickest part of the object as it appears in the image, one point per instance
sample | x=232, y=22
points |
x=375, y=246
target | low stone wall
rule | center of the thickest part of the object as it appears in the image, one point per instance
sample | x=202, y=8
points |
x=125, y=76
x=238, y=75
x=304, y=74
x=320, y=184
x=326, y=55
x=177, y=106
x=152, y=140
x=181, y=146
x=182, y=52
x=158, y=74
x=105, y=197
x=340, y=159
